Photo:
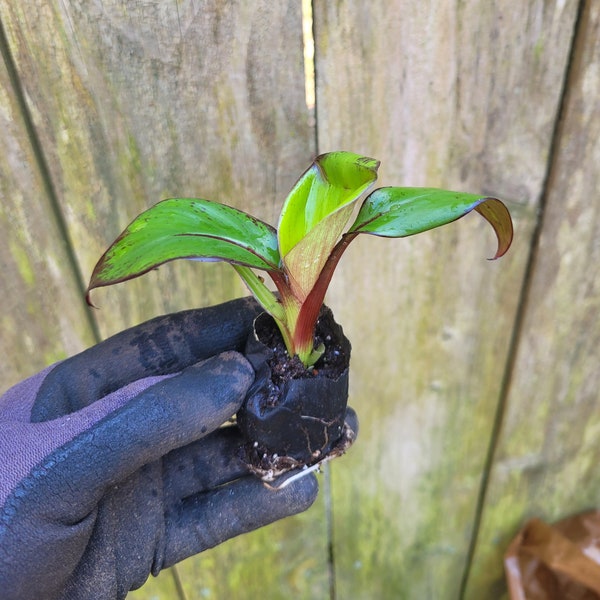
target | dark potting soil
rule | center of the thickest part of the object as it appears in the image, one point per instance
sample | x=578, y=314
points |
x=295, y=416
x=331, y=364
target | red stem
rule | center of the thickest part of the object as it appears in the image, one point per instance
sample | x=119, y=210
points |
x=280, y=281
x=309, y=313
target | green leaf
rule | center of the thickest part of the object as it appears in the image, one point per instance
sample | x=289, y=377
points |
x=316, y=212
x=187, y=228
x=401, y=212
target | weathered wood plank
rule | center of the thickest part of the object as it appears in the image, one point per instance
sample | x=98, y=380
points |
x=43, y=316
x=460, y=95
x=546, y=463
x=141, y=101
x=156, y=100
x=134, y=102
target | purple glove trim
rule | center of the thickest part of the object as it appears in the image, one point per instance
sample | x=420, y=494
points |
x=108, y=467
x=23, y=444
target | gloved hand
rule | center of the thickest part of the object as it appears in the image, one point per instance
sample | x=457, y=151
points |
x=113, y=465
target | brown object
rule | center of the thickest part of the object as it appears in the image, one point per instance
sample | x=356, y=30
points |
x=558, y=562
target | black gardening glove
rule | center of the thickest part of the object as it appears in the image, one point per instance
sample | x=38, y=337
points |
x=113, y=465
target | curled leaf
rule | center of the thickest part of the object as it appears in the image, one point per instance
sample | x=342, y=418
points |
x=401, y=212
x=496, y=214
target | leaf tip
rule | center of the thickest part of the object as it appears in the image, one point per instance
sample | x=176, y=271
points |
x=496, y=213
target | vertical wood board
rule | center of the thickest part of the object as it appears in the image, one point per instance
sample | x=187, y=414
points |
x=43, y=316
x=151, y=100
x=546, y=460
x=462, y=96
x=140, y=101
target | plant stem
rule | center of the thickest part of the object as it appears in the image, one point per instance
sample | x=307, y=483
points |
x=296, y=320
x=309, y=313
x=267, y=299
x=261, y=292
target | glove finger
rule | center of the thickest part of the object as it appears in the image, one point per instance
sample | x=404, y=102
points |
x=206, y=520
x=203, y=465
x=168, y=415
x=352, y=420
x=31, y=444
x=161, y=346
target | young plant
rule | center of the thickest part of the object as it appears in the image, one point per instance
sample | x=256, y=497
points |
x=302, y=254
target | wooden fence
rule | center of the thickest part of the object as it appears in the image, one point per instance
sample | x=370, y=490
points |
x=476, y=382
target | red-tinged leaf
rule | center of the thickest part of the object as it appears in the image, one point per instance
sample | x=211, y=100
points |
x=401, y=212
x=317, y=211
x=187, y=228
x=496, y=214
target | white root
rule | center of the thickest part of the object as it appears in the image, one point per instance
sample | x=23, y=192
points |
x=305, y=471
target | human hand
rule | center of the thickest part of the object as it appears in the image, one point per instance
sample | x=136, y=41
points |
x=114, y=464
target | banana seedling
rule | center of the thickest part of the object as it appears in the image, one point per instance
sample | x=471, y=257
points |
x=300, y=256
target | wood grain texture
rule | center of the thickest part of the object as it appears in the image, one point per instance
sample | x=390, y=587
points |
x=43, y=316
x=460, y=95
x=135, y=102
x=546, y=463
